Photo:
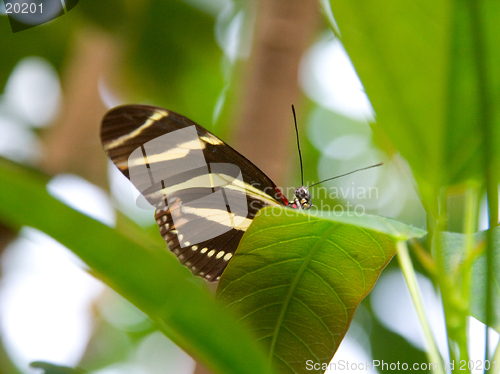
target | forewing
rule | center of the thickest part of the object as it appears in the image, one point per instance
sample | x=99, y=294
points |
x=206, y=193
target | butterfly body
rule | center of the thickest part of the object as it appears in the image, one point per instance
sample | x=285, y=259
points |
x=205, y=193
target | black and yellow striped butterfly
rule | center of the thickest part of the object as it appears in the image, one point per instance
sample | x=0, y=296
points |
x=205, y=193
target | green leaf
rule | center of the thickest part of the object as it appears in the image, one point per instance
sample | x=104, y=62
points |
x=49, y=41
x=49, y=368
x=453, y=246
x=110, y=15
x=298, y=278
x=171, y=53
x=430, y=89
x=390, y=347
x=151, y=279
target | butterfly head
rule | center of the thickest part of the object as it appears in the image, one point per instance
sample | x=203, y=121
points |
x=302, y=198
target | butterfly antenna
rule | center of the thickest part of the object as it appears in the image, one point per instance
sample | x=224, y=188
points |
x=343, y=175
x=298, y=146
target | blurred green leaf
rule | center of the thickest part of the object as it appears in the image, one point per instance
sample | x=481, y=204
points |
x=151, y=279
x=453, y=247
x=298, y=278
x=8, y=367
x=172, y=58
x=49, y=41
x=166, y=51
x=107, y=345
x=110, y=15
x=70, y=4
x=49, y=368
x=389, y=347
x=419, y=66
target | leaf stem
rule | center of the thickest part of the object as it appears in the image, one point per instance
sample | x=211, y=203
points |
x=470, y=227
x=411, y=280
x=487, y=123
x=445, y=283
x=496, y=360
x=453, y=301
x=423, y=256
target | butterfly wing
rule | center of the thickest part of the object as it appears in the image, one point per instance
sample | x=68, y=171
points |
x=205, y=193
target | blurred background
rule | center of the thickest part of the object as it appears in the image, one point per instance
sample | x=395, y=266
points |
x=232, y=66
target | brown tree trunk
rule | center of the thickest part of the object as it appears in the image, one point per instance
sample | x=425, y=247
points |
x=72, y=143
x=284, y=29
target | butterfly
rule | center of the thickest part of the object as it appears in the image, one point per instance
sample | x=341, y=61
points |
x=205, y=193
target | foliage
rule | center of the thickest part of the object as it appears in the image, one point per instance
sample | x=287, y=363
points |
x=297, y=279
x=431, y=71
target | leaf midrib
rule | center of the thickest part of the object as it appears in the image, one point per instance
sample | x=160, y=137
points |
x=294, y=284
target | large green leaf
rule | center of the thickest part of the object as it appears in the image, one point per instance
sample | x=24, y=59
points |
x=432, y=91
x=453, y=247
x=298, y=278
x=151, y=279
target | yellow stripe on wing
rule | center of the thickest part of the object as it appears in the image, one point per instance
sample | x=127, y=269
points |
x=157, y=115
x=222, y=217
